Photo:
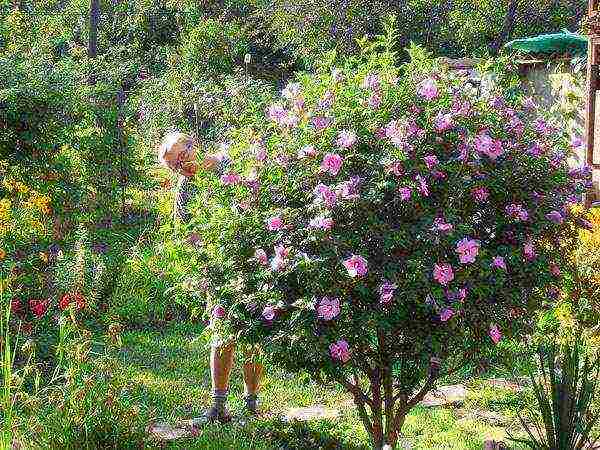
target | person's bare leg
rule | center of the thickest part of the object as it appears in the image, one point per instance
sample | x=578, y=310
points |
x=253, y=373
x=221, y=362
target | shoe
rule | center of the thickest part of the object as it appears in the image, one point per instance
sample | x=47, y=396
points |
x=212, y=415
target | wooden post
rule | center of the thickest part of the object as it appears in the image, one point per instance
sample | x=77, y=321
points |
x=592, y=87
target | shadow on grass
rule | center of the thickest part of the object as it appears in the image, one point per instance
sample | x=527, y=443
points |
x=297, y=435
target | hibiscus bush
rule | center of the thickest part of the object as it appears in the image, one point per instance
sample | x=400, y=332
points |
x=383, y=226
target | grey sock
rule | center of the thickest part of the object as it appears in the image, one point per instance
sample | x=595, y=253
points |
x=220, y=399
x=252, y=401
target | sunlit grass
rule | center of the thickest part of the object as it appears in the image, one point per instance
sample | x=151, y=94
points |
x=168, y=376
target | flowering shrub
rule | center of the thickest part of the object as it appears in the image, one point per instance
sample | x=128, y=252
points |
x=385, y=226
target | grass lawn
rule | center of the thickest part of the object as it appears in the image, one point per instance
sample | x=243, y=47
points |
x=167, y=376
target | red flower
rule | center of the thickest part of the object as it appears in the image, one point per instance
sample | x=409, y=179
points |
x=69, y=298
x=15, y=306
x=79, y=301
x=38, y=307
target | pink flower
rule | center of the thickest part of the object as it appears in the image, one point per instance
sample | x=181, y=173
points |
x=261, y=256
x=346, y=139
x=277, y=113
x=275, y=223
x=495, y=333
x=423, y=187
x=480, y=194
x=535, y=150
x=326, y=194
x=386, y=292
x=299, y=104
x=340, y=351
x=326, y=101
x=332, y=163
x=554, y=270
x=443, y=273
x=517, y=211
x=356, y=266
x=428, y=89
x=307, y=151
x=218, y=312
x=542, y=127
x=467, y=250
x=371, y=81
x=555, y=216
x=488, y=146
x=374, y=101
x=282, y=252
x=260, y=153
x=322, y=222
x=446, y=314
x=229, y=179
x=268, y=313
x=328, y=308
x=395, y=168
x=498, y=262
x=576, y=142
x=320, y=122
x=440, y=224
x=405, y=193
x=438, y=175
x=431, y=161
x=349, y=190
x=529, y=251
x=443, y=122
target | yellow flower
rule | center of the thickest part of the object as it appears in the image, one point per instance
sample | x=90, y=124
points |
x=41, y=202
x=2, y=254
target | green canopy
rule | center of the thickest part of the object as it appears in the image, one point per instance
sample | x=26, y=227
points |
x=565, y=42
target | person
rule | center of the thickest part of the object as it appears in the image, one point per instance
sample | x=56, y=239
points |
x=177, y=152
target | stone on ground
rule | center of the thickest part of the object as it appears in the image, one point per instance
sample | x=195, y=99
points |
x=445, y=395
x=167, y=432
x=316, y=412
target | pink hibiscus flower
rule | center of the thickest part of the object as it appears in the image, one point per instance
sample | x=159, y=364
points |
x=340, y=351
x=275, y=223
x=356, y=266
x=386, y=292
x=261, y=256
x=332, y=163
x=405, y=193
x=446, y=314
x=326, y=194
x=322, y=222
x=443, y=273
x=428, y=89
x=218, y=312
x=467, y=250
x=328, y=308
x=488, y=146
x=495, y=333
x=498, y=262
x=269, y=313
x=529, y=251
x=441, y=225
x=443, y=122
x=431, y=161
x=346, y=139
x=231, y=178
